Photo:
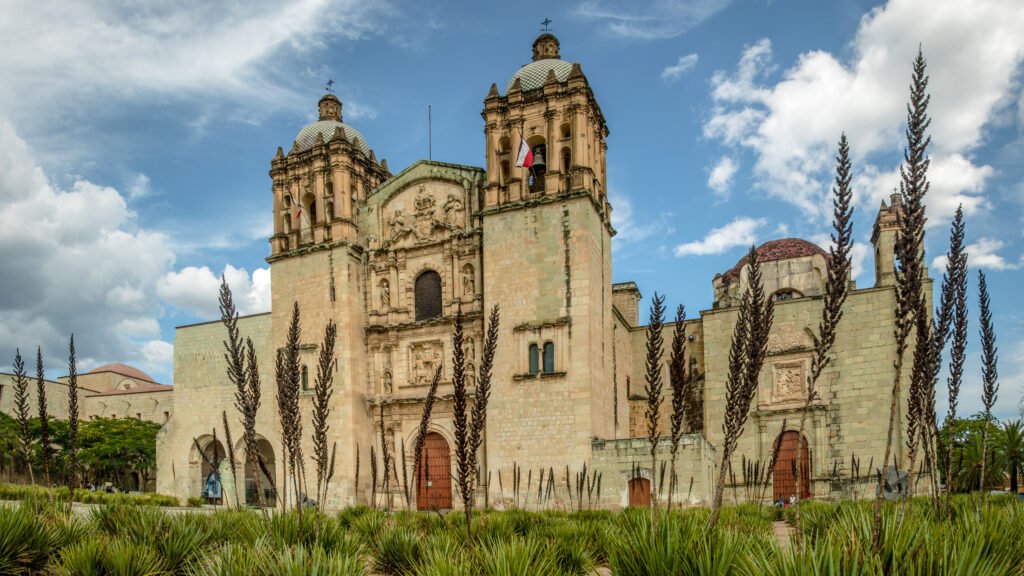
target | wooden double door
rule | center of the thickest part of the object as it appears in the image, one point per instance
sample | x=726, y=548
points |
x=434, y=485
x=793, y=453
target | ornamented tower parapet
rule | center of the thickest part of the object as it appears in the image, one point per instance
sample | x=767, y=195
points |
x=549, y=104
x=320, y=182
x=883, y=238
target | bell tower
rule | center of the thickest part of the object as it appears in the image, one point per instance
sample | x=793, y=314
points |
x=547, y=262
x=316, y=261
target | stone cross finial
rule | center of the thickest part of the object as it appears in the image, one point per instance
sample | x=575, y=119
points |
x=545, y=23
x=330, y=86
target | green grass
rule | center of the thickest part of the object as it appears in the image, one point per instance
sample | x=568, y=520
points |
x=20, y=493
x=44, y=536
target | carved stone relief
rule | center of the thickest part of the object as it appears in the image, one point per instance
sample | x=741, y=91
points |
x=788, y=381
x=786, y=337
x=424, y=358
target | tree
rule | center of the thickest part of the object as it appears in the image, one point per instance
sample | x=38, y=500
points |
x=116, y=448
x=678, y=381
x=72, y=449
x=746, y=357
x=287, y=376
x=910, y=256
x=1013, y=450
x=655, y=351
x=468, y=426
x=975, y=461
x=954, y=293
x=836, y=289
x=322, y=412
x=21, y=411
x=44, y=418
x=989, y=370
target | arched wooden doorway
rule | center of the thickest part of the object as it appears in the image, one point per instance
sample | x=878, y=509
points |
x=267, y=473
x=639, y=492
x=434, y=485
x=784, y=479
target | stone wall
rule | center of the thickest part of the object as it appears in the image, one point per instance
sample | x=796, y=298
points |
x=617, y=461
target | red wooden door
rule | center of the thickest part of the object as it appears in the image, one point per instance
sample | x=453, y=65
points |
x=784, y=478
x=640, y=492
x=434, y=485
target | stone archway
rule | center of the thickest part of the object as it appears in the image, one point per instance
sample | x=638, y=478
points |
x=207, y=481
x=267, y=476
x=784, y=478
x=434, y=484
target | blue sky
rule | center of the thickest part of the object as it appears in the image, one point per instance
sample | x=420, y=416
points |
x=135, y=142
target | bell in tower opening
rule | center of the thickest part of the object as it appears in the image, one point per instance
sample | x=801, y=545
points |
x=538, y=169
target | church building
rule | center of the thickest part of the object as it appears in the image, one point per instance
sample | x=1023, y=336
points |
x=391, y=257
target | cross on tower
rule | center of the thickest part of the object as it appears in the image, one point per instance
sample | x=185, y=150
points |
x=545, y=23
x=330, y=84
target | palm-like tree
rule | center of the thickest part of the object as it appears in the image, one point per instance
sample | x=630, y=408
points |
x=967, y=462
x=1013, y=450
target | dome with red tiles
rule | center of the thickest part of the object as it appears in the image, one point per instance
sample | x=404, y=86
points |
x=781, y=249
x=123, y=370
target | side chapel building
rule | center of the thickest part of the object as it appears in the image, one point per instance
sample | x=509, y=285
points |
x=391, y=257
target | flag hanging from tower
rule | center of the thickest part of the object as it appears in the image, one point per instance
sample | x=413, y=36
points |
x=525, y=157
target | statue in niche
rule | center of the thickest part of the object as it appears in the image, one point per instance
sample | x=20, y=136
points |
x=453, y=210
x=470, y=348
x=388, y=383
x=468, y=280
x=385, y=294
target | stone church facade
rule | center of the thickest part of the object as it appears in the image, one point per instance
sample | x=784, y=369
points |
x=390, y=258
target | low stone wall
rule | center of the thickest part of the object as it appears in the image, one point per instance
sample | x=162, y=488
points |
x=618, y=461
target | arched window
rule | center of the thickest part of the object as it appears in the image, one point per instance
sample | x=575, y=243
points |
x=287, y=224
x=566, y=159
x=566, y=131
x=305, y=378
x=330, y=211
x=428, y=295
x=329, y=189
x=786, y=294
x=504, y=172
x=534, y=359
x=549, y=357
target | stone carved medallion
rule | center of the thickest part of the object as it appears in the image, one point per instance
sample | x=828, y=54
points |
x=425, y=207
x=786, y=337
x=424, y=358
x=788, y=381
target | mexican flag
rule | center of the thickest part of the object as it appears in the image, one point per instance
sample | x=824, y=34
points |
x=525, y=157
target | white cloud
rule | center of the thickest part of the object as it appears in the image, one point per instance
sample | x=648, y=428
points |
x=73, y=261
x=720, y=177
x=650, y=20
x=740, y=232
x=196, y=290
x=626, y=227
x=859, y=253
x=674, y=72
x=982, y=254
x=973, y=48
x=104, y=54
x=139, y=187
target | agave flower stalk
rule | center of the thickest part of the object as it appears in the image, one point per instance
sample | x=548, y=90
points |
x=836, y=290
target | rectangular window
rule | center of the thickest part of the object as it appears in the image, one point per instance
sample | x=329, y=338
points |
x=534, y=359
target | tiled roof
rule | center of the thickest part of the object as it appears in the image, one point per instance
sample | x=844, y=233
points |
x=781, y=249
x=533, y=75
x=307, y=136
x=123, y=370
